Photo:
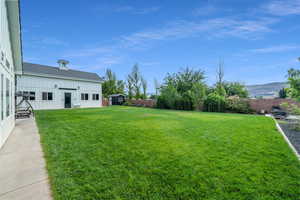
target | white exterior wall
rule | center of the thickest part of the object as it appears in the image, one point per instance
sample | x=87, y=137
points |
x=42, y=84
x=8, y=122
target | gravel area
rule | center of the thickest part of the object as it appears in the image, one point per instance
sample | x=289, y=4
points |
x=293, y=135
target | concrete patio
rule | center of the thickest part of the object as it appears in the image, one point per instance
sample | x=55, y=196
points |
x=22, y=166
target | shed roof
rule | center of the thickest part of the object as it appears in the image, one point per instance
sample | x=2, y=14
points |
x=117, y=95
x=55, y=72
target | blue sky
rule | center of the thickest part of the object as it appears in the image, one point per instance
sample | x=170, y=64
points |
x=258, y=40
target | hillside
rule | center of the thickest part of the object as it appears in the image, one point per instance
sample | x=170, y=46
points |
x=268, y=90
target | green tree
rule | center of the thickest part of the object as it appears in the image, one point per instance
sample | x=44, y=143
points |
x=120, y=87
x=135, y=79
x=220, y=90
x=198, y=94
x=144, y=87
x=215, y=103
x=236, y=89
x=168, y=97
x=282, y=93
x=185, y=79
x=129, y=86
x=182, y=90
x=109, y=84
x=157, y=87
x=294, y=82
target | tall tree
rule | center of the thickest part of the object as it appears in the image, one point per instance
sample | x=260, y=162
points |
x=129, y=87
x=144, y=87
x=183, y=90
x=282, y=93
x=135, y=79
x=220, y=79
x=120, y=87
x=157, y=87
x=109, y=84
x=198, y=94
x=294, y=82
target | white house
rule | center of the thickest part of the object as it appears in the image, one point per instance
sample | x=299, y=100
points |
x=59, y=87
x=10, y=63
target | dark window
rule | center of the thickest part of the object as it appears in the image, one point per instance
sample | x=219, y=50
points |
x=26, y=95
x=32, y=96
x=47, y=96
x=84, y=96
x=50, y=96
x=95, y=97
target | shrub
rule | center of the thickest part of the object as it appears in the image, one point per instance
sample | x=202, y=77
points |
x=214, y=103
x=161, y=102
x=237, y=105
x=127, y=103
x=168, y=97
x=184, y=103
x=290, y=108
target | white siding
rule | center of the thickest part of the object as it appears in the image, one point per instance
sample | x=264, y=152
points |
x=42, y=84
x=7, y=123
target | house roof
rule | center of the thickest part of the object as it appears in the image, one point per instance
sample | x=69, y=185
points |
x=55, y=72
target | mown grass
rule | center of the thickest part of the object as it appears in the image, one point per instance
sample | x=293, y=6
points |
x=137, y=153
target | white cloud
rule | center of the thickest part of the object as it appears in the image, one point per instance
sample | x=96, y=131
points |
x=45, y=41
x=276, y=49
x=117, y=51
x=129, y=9
x=51, y=41
x=89, y=52
x=149, y=64
x=220, y=27
x=283, y=7
x=109, y=60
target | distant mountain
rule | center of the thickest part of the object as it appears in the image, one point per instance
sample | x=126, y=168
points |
x=268, y=90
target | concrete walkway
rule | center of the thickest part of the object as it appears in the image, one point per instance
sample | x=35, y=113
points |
x=22, y=166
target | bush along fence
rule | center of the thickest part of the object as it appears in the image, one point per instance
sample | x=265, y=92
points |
x=217, y=104
x=105, y=102
x=259, y=105
x=150, y=103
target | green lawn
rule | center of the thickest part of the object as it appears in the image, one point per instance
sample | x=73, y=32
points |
x=138, y=153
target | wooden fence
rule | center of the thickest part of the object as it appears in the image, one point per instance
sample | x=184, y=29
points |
x=150, y=103
x=266, y=104
x=256, y=105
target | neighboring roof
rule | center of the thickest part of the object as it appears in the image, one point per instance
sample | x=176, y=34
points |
x=55, y=72
x=116, y=95
x=13, y=16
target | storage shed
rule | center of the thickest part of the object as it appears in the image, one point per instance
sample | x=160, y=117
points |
x=117, y=99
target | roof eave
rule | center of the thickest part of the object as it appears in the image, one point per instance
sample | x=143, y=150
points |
x=13, y=17
x=61, y=77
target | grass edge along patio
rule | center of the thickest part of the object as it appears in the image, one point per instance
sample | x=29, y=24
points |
x=123, y=152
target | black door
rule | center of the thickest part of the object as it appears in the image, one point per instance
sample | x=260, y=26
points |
x=68, y=100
